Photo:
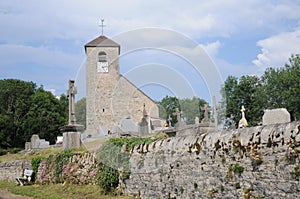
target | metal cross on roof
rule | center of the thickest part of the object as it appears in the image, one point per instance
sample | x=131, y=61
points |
x=102, y=26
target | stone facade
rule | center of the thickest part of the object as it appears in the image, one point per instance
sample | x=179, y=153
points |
x=258, y=162
x=110, y=96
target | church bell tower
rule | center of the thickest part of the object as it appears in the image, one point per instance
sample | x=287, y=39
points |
x=102, y=74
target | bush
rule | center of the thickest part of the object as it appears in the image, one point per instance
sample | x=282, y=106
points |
x=60, y=160
x=35, y=163
x=14, y=150
x=108, y=178
x=3, y=152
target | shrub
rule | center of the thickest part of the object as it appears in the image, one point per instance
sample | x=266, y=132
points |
x=35, y=163
x=60, y=160
x=108, y=178
x=14, y=150
x=3, y=152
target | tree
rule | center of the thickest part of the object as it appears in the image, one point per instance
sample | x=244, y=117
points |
x=167, y=108
x=243, y=92
x=45, y=116
x=26, y=110
x=282, y=87
x=80, y=111
x=277, y=88
x=14, y=105
x=191, y=108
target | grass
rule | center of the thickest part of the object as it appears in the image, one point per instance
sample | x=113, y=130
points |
x=59, y=191
x=33, y=153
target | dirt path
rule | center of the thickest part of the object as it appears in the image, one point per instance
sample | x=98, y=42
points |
x=4, y=194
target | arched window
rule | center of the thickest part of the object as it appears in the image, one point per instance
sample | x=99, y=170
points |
x=102, y=57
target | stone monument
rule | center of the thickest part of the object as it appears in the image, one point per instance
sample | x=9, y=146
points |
x=144, y=124
x=205, y=120
x=72, y=131
x=276, y=116
x=243, y=122
x=180, y=124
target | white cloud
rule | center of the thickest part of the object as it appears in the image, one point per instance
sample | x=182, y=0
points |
x=43, y=56
x=277, y=49
x=212, y=48
x=80, y=19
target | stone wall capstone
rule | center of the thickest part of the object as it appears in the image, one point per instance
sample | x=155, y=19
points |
x=262, y=161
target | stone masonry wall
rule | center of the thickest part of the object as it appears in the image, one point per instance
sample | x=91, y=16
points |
x=10, y=170
x=258, y=162
x=81, y=168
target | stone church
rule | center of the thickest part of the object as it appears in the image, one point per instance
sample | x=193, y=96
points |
x=110, y=97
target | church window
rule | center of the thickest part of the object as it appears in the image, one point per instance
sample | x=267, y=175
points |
x=102, y=57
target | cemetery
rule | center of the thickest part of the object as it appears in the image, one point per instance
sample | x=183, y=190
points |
x=146, y=157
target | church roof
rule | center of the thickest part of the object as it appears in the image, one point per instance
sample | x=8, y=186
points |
x=102, y=41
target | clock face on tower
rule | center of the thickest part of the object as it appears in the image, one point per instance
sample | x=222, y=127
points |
x=102, y=67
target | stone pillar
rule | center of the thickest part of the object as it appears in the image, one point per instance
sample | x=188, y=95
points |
x=71, y=140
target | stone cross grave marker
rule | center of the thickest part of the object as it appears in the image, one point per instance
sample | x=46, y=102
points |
x=243, y=122
x=71, y=94
x=215, y=108
x=197, y=120
x=206, y=108
x=178, y=116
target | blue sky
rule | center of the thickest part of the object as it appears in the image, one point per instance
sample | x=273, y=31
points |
x=43, y=41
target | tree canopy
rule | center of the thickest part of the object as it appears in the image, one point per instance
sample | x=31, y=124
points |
x=276, y=88
x=190, y=108
x=26, y=110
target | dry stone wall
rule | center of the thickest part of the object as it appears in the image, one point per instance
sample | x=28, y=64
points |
x=10, y=170
x=258, y=162
x=80, y=168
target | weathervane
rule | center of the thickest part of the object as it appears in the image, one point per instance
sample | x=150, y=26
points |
x=102, y=26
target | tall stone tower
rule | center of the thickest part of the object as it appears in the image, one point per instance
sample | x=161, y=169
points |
x=110, y=97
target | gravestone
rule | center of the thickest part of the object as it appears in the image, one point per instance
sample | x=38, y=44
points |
x=71, y=132
x=206, y=108
x=197, y=120
x=36, y=143
x=276, y=116
x=35, y=139
x=27, y=146
x=215, y=113
x=180, y=124
x=243, y=122
x=43, y=144
x=128, y=125
x=103, y=131
x=144, y=124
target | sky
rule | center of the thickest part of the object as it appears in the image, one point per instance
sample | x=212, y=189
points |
x=179, y=48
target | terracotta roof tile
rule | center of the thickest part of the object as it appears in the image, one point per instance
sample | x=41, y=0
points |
x=102, y=41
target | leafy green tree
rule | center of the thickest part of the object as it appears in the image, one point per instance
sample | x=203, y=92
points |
x=243, y=92
x=277, y=88
x=191, y=108
x=282, y=87
x=45, y=116
x=167, y=108
x=229, y=97
x=14, y=105
x=80, y=111
x=26, y=110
